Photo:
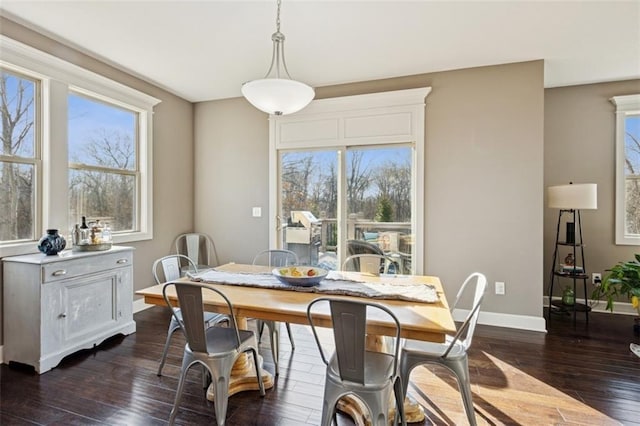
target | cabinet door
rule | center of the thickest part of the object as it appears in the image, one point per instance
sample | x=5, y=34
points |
x=89, y=305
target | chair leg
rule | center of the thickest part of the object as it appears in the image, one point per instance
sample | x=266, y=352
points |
x=260, y=326
x=165, y=351
x=293, y=346
x=399, y=395
x=258, y=373
x=183, y=374
x=221, y=398
x=460, y=368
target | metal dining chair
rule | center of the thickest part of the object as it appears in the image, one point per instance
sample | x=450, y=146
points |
x=215, y=348
x=374, y=264
x=451, y=354
x=198, y=247
x=275, y=258
x=352, y=369
x=167, y=269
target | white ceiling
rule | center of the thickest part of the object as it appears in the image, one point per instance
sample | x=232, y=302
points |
x=204, y=50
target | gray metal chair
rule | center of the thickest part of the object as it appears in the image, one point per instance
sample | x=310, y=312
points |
x=453, y=353
x=275, y=258
x=369, y=263
x=215, y=348
x=352, y=369
x=199, y=248
x=167, y=269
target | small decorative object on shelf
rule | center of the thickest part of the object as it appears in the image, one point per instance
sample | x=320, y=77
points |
x=52, y=243
x=568, y=296
x=569, y=260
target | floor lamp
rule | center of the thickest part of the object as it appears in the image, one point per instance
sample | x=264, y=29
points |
x=570, y=199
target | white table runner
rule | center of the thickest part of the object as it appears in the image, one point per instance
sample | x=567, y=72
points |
x=389, y=287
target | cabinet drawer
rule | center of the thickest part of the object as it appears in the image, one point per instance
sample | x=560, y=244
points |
x=85, y=265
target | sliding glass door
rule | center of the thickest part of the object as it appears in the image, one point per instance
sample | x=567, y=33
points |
x=338, y=202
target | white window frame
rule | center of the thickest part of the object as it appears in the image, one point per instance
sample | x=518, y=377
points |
x=384, y=119
x=58, y=77
x=625, y=106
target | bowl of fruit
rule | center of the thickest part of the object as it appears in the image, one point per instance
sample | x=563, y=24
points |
x=302, y=276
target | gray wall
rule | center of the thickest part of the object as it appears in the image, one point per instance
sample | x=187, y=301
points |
x=484, y=177
x=580, y=147
x=172, y=152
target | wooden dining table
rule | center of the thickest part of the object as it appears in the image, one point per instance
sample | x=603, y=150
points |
x=419, y=320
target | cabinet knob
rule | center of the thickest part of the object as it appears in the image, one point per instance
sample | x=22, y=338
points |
x=59, y=272
x=62, y=315
x=120, y=261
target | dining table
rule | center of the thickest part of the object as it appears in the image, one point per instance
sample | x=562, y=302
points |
x=419, y=320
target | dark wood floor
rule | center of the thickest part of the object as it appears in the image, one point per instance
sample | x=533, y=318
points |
x=578, y=375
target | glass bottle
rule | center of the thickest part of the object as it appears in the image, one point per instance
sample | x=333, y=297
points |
x=84, y=231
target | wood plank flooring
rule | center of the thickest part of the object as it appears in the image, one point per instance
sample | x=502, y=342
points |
x=573, y=375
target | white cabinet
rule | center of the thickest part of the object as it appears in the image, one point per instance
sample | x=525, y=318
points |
x=56, y=305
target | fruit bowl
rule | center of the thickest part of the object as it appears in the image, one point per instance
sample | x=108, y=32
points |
x=302, y=276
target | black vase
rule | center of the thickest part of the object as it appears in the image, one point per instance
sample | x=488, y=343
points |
x=52, y=243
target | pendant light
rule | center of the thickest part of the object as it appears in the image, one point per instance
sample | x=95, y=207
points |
x=277, y=93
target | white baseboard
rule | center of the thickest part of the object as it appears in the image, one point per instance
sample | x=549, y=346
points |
x=521, y=322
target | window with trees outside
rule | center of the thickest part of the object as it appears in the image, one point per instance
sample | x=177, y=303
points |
x=103, y=165
x=627, y=169
x=20, y=157
x=74, y=144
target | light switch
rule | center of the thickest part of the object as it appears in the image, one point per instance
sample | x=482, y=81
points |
x=257, y=212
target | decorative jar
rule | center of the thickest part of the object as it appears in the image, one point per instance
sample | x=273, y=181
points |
x=52, y=243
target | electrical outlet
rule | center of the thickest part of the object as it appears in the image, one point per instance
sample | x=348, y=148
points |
x=500, y=287
x=257, y=212
x=596, y=278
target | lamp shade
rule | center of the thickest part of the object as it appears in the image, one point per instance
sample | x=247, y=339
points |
x=582, y=196
x=278, y=96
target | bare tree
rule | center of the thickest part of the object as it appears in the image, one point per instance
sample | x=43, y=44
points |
x=16, y=108
x=358, y=181
x=632, y=202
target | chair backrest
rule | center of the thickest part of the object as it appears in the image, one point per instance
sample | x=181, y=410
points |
x=168, y=268
x=362, y=247
x=198, y=247
x=477, y=283
x=276, y=258
x=349, y=321
x=190, y=296
x=368, y=263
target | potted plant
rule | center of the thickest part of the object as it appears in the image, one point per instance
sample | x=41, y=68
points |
x=622, y=279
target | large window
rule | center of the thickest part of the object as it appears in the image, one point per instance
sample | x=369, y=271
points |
x=74, y=144
x=627, y=169
x=19, y=156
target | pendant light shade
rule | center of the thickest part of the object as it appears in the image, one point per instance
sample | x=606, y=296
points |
x=278, y=96
x=275, y=93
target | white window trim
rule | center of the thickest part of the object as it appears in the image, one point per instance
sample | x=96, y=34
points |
x=59, y=76
x=625, y=105
x=323, y=123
